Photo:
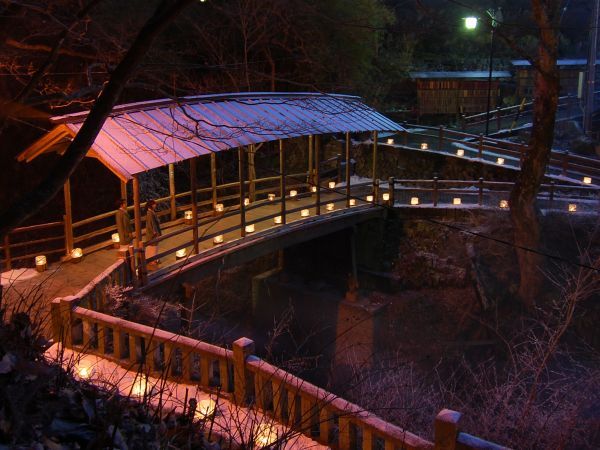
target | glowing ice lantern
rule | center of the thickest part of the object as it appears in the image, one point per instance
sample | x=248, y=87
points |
x=139, y=388
x=390, y=141
x=219, y=207
x=181, y=253
x=313, y=189
x=572, y=207
x=470, y=23
x=456, y=201
x=293, y=193
x=218, y=239
x=500, y=161
x=460, y=152
x=265, y=435
x=40, y=263
x=115, y=240
x=246, y=201
x=205, y=408
x=271, y=197
x=76, y=254
x=187, y=217
x=369, y=198
x=84, y=372
x=424, y=146
x=305, y=213
x=331, y=185
x=414, y=200
x=250, y=228
x=587, y=180
x=330, y=207
x=386, y=196
x=504, y=204
x=352, y=202
x=277, y=220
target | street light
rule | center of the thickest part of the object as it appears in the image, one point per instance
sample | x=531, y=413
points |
x=471, y=23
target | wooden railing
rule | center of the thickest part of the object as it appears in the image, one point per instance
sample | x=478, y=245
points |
x=485, y=148
x=17, y=248
x=236, y=374
x=566, y=105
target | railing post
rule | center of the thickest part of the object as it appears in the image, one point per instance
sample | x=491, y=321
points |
x=498, y=119
x=242, y=348
x=435, y=191
x=480, y=147
x=446, y=429
x=405, y=138
x=441, y=138
x=480, y=194
x=392, y=189
x=376, y=191
x=551, y=193
x=339, y=168
x=7, y=260
x=463, y=122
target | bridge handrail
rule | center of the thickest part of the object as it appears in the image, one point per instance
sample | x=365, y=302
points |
x=8, y=244
x=79, y=323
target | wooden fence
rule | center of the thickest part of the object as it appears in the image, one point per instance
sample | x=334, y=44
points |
x=79, y=323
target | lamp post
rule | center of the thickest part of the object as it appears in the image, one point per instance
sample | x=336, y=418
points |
x=494, y=16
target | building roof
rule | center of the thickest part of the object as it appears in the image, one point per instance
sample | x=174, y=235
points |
x=559, y=62
x=460, y=74
x=138, y=137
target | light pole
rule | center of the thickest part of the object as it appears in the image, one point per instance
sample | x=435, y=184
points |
x=471, y=23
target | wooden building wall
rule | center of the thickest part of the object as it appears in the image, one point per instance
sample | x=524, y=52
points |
x=455, y=96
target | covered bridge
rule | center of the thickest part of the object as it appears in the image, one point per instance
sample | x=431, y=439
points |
x=141, y=137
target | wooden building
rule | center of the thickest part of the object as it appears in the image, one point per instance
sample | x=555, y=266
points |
x=569, y=70
x=456, y=92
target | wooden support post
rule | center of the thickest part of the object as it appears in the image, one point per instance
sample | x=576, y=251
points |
x=282, y=181
x=133, y=359
x=565, y=163
x=194, y=192
x=392, y=190
x=117, y=343
x=68, y=218
x=446, y=429
x=311, y=147
x=317, y=179
x=213, y=179
x=367, y=439
x=376, y=192
x=498, y=119
x=277, y=390
x=344, y=439
x=405, y=138
x=224, y=375
x=347, y=169
x=172, y=192
x=204, y=370
x=551, y=193
x=480, y=147
x=259, y=394
x=435, y=191
x=251, y=173
x=375, y=137
x=124, y=191
x=241, y=177
x=441, y=138
x=140, y=261
x=242, y=349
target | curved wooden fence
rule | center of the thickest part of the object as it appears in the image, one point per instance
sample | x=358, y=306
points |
x=79, y=324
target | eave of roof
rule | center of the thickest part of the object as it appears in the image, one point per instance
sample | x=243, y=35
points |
x=142, y=136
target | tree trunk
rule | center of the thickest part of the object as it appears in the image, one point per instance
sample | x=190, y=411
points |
x=523, y=196
x=29, y=204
